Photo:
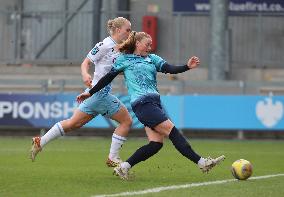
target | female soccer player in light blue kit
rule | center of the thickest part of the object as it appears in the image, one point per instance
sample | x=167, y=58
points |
x=140, y=69
x=103, y=55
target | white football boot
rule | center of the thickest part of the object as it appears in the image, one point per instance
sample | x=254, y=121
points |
x=210, y=163
x=123, y=173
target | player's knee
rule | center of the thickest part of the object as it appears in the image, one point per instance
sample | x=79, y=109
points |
x=164, y=128
x=127, y=122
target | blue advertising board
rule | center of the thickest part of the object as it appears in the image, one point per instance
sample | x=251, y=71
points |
x=187, y=111
x=40, y=110
x=234, y=112
x=234, y=6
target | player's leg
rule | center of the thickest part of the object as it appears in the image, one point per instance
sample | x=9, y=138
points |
x=182, y=145
x=143, y=153
x=77, y=120
x=81, y=116
x=147, y=114
x=152, y=114
x=148, y=150
x=113, y=108
x=119, y=136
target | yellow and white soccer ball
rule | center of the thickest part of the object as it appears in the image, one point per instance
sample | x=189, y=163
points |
x=241, y=169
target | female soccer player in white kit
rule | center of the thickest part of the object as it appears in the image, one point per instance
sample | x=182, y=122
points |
x=103, y=55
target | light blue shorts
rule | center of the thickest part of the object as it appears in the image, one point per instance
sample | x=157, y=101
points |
x=102, y=103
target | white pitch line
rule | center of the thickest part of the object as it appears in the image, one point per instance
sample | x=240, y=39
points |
x=175, y=187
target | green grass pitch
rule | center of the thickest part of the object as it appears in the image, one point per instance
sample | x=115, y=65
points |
x=76, y=167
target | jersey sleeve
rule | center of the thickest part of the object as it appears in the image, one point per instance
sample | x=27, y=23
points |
x=120, y=63
x=97, y=53
x=157, y=61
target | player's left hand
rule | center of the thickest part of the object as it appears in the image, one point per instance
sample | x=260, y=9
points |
x=80, y=98
x=193, y=62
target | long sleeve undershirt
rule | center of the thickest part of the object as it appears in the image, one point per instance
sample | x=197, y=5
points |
x=104, y=81
x=167, y=68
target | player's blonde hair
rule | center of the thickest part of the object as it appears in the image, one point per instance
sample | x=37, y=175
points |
x=115, y=23
x=129, y=45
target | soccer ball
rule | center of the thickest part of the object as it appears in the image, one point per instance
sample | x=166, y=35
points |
x=241, y=169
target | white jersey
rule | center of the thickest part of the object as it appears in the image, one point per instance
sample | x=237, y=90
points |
x=103, y=56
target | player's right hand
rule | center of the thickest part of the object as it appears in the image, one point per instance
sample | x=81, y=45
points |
x=87, y=79
x=80, y=98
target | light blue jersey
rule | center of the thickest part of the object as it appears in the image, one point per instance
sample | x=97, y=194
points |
x=139, y=73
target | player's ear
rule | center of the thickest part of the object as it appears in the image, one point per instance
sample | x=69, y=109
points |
x=137, y=43
x=117, y=30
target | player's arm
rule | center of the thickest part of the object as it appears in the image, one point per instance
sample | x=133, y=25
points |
x=94, y=56
x=85, y=67
x=193, y=62
x=104, y=81
x=167, y=68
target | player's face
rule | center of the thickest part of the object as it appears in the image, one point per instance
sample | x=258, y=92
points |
x=144, y=46
x=124, y=31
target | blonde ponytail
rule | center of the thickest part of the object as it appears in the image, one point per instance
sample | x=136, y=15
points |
x=129, y=45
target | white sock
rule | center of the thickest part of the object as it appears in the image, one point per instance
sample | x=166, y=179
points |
x=125, y=165
x=116, y=144
x=53, y=133
x=201, y=162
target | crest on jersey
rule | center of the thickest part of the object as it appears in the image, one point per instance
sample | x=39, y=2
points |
x=95, y=50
